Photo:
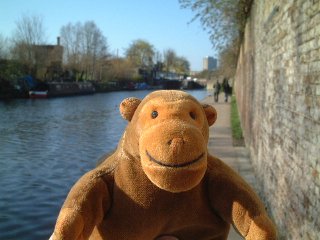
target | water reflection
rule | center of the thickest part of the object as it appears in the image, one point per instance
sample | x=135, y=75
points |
x=45, y=146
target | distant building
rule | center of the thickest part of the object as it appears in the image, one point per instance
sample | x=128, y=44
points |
x=209, y=63
x=49, y=58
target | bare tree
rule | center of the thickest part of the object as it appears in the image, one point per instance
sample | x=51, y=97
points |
x=95, y=46
x=85, y=47
x=71, y=36
x=29, y=32
x=158, y=57
x=4, y=47
x=169, y=56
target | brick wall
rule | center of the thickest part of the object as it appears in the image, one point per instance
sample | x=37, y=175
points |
x=278, y=92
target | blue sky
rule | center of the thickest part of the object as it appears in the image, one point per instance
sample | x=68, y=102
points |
x=160, y=22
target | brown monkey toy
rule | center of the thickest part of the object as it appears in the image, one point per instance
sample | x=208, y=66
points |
x=161, y=183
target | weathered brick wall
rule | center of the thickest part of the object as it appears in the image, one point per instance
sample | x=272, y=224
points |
x=278, y=92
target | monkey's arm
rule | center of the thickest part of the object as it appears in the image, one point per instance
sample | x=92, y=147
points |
x=84, y=208
x=235, y=201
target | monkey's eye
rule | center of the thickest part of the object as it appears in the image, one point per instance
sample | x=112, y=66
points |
x=154, y=114
x=193, y=115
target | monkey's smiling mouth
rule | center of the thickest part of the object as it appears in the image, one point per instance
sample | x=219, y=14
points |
x=152, y=159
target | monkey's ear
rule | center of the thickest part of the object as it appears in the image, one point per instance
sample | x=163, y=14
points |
x=211, y=113
x=128, y=106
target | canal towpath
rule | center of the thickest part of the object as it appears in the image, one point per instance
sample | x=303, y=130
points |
x=220, y=145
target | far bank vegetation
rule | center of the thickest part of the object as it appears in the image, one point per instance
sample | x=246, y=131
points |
x=81, y=53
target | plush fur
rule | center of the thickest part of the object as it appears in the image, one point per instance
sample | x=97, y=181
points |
x=161, y=183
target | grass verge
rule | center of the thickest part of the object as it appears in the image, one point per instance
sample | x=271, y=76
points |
x=237, y=134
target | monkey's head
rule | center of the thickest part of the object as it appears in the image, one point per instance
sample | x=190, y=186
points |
x=168, y=131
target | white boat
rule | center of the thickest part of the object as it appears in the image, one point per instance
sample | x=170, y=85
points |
x=38, y=94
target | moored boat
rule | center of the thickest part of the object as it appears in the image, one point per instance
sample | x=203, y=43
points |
x=38, y=94
x=60, y=89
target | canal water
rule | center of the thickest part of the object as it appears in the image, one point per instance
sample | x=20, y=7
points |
x=45, y=146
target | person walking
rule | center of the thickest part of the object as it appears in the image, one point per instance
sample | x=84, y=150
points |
x=217, y=87
x=226, y=89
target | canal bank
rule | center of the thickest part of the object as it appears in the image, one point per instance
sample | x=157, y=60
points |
x=221, y=146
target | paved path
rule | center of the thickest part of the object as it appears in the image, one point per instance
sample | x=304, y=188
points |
x=220, y=145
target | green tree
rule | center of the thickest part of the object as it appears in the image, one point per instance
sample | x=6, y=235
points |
x=228, y=59
x=223, y=19
x=182, y=65
x=141, y=54
x=120, y=69
x=175, y=63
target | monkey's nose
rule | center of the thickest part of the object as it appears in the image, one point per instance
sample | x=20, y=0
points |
x=176, y=142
